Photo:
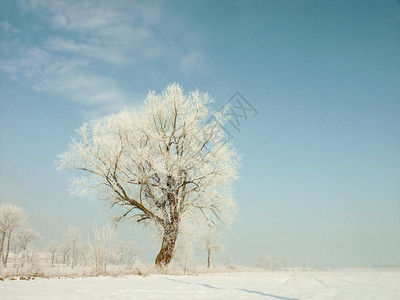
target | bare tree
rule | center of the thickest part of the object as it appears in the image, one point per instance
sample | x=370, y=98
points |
x=52, y=248
x=71, y=237
x=132, y=250
x=26, y=235
x=167, y=164
x=269, y=263
x=11, y=218
x=212, y=243
x=184, y=250
x=101, y=246
x=15, y=248
x=66, y=249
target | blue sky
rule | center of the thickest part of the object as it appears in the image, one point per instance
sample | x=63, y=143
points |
x=320, y=176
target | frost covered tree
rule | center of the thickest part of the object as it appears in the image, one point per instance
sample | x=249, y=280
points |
x=132, y=251
x=11, y=218
x=184, y=250
x=269, y=263
x=212, y=243
x=52, y=248
x=71, y=237
x=101, y=247
x=25, y=235
x=15, y=248
x=65, y=249
x=167, y=163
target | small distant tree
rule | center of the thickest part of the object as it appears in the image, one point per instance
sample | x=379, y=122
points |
x=101, y=247
x=133, y=250
x=15, y=247
x=117, y=253
x=26, y=235
x=167, y=164
x=184, y=250
x=212, y=243
x=85, y=254
x=71, y=237
x=52, y=248
x=65, y=248
x=269, y=262
x=11, y=218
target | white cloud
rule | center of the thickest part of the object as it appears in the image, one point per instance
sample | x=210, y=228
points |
x=5, y=26
x=66, y=77
x=12, y=69
x=101, y=29
x=59, y=21
x=87, y=37
x=193, y=62
x=88, y=49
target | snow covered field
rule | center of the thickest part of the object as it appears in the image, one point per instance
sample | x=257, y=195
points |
x=285, y=285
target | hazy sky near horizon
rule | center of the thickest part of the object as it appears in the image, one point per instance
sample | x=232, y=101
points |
x=320, y=177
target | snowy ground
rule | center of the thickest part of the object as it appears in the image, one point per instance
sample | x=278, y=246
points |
x=285, y=285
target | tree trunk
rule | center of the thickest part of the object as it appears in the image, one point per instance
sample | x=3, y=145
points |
x=167, y=247
x=3, y=238
x=8, y=249
x=53, y=254
x=208, y=258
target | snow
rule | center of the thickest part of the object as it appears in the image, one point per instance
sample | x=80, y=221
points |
x=285, y=285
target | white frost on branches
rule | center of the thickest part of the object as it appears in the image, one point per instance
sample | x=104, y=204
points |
x=11, y=218
x=168, y=163
x=101, y=247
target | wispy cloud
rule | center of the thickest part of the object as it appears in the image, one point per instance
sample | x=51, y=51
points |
x=194, y=61
x=5, y=26
x=66, y=77
x=84, y=44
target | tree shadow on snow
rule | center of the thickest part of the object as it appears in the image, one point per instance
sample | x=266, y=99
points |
x=267, y=295
x=195, y=283
x=243, y=290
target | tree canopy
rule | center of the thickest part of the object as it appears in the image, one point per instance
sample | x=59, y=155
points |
x=167, y=163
